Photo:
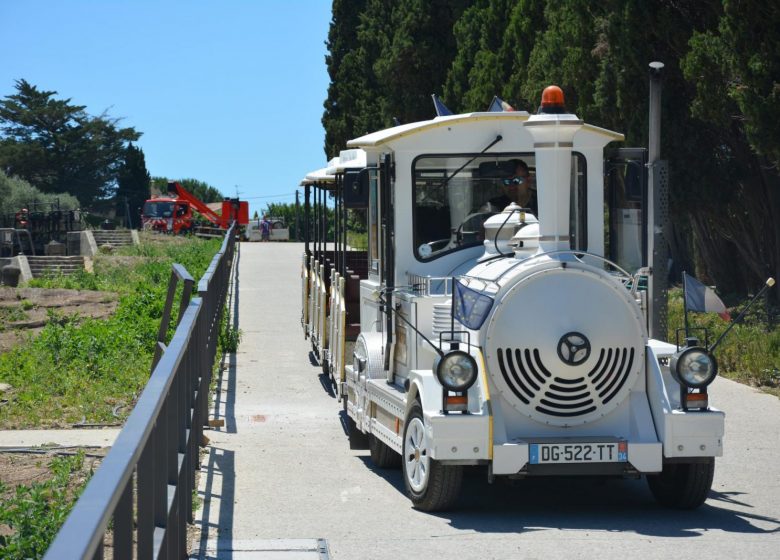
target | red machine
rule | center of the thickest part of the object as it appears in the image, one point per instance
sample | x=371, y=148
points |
x=173, y=213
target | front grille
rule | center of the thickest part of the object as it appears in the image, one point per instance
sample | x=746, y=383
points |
x=533, y=384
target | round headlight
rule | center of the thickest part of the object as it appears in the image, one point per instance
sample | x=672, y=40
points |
x=456, y=370
x=694, y=367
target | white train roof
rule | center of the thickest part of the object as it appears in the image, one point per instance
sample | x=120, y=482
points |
x=380, y=138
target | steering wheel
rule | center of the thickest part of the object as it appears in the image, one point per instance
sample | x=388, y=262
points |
x=459, y=230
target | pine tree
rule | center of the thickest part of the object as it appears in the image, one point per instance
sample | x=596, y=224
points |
x=58, y=147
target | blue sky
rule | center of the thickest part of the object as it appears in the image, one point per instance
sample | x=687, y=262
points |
x=229, y=92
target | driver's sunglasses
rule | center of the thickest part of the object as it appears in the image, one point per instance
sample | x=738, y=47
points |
x=514, y=181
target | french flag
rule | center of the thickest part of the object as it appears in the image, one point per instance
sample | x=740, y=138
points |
x=699, y=297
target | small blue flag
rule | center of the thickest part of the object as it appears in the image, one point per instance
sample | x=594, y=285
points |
x=441, y=108
x=470, y=307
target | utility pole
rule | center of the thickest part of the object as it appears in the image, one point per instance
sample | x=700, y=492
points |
x=297, y=207
x=657, y=200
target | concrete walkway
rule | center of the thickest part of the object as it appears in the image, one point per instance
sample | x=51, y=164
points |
x=87, y=437
x=275, y=414
x=280, y=482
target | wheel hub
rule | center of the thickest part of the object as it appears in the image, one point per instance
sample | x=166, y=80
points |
x=415, y=455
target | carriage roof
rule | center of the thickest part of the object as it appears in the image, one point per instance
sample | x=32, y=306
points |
x=348, y=159
x=320, y=176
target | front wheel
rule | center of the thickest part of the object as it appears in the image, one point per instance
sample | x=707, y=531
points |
x=431, y=485
x=683, y=485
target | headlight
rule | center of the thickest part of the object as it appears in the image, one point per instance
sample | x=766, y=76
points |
x=456, y=370
x=694, y=367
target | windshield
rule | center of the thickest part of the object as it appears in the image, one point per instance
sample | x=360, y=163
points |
x=454, y=195
x=158, y=209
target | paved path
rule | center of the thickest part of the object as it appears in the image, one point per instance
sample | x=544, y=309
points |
x=86, y=437
x=279, y=480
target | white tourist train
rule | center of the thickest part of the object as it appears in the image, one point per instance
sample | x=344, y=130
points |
x=467, y=324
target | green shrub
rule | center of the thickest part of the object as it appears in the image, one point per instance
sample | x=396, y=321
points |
x=35, y=513
x=229, y=336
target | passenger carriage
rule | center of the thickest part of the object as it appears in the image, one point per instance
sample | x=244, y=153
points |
x=519, y=338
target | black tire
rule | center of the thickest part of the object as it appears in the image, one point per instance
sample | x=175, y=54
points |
x=326, y=367
x=357, y=439
x=439, y=488
x=382, y=455
x=683, y=485
x=334, y=382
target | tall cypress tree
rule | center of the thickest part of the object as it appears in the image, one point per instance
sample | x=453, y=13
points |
x=347, y=76
x=418, y=52
x=134, y=185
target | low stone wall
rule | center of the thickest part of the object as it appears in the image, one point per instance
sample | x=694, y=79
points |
x=82, y=243
x=20, y=262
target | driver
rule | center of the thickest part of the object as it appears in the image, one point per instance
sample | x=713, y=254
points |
x=516, y=188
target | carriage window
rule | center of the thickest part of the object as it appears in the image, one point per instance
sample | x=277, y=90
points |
x=454, y=195
x=373, y=223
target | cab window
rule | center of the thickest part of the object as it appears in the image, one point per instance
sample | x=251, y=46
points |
x=453, y=195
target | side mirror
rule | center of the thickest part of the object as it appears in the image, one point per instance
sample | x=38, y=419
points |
x=356, y=188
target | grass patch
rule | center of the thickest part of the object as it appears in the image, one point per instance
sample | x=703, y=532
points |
x=12, y=314
x=91, y=369
x=357, y=240
x=229, y=336
x=31, y=514
x=750, y=353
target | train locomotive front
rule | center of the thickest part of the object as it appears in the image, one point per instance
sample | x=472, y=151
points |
x=513, y=344
x=564, y=346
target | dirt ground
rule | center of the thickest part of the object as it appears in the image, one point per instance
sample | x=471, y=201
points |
x=25, y=311
x=23, y=314
x=29, y=468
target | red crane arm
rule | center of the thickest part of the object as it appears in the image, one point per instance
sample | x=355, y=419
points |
x=205, y=211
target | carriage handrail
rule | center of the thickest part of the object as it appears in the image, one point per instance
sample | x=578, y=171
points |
x=159, y=442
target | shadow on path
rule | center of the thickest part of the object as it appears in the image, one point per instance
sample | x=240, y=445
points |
x=219, y=464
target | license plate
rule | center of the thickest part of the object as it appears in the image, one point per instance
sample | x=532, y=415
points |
x=549, y=453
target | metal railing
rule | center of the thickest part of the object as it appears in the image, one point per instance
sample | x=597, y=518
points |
x=148, y=477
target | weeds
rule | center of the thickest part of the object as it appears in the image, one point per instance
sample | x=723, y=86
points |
x=80, y=369
x=229, y=336
x=35, y=513
x=750, y=353
x=12, y=314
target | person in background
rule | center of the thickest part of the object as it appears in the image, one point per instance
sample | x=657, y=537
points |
x=265, y=229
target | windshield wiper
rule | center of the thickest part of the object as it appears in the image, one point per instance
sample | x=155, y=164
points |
x=459, y=169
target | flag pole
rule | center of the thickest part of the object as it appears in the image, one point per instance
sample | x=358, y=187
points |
x=685, y=305
x=452, y=313
x=768, y=284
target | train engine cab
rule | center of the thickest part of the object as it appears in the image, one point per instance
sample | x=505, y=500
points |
x=493, y=329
